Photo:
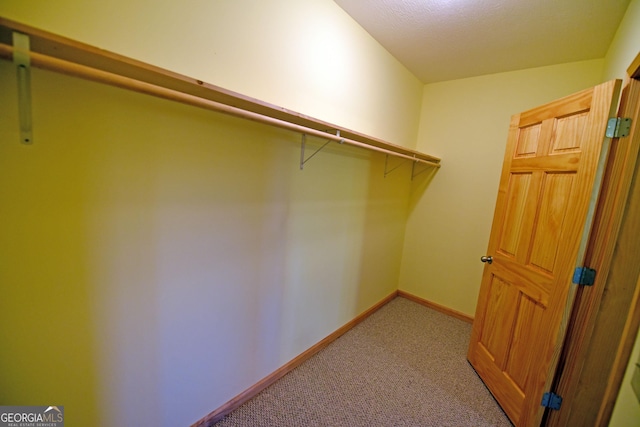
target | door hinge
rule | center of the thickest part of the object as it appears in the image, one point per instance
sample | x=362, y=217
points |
x=551, y=400
x=618, y=127
x=584, y=276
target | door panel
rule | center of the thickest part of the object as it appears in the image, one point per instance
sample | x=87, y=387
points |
x=545, y=191
x=529, y=314
x=499, y=320
x=516, y=200
x=528, y=141
x=569, y=133
x=550, y=215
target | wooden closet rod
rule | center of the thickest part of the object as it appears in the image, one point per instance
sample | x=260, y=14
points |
x=76, y=70
x=112, y=69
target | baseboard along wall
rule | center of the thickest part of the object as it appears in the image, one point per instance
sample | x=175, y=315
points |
x=254, y=390
x=437, y=307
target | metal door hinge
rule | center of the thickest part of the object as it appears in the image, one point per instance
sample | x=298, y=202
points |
x=618, y=127
x=584, y=276
x=551, y=400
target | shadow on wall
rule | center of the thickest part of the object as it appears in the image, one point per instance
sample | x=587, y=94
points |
x=49, y=352
x=189, y=237
x=391, y=189
x=343, y=239
x=419, y=186
x=167, y=258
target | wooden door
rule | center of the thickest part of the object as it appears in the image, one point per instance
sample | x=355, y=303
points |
x=545, y=200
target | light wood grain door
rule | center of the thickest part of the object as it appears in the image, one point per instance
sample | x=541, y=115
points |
x=545, y=202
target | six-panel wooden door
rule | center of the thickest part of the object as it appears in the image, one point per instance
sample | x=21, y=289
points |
x=544, y=198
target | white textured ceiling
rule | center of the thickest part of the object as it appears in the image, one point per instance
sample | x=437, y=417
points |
x=449, y=39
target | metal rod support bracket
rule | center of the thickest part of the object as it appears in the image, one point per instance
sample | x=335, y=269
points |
x=413, y=170
x=427, y=166
x=304, y=160
x=22, y=59
x=387, y=171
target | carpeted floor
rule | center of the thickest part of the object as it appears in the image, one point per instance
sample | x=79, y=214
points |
x=403, y=366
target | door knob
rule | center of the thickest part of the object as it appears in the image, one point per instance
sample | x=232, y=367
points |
x=488, y=259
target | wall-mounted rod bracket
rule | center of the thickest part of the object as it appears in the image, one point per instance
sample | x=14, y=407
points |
x=304, y=160
x=387, y=171
x=415, y=172
x=22, y=59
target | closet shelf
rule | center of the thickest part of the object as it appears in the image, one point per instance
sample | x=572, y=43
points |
x=60, y=54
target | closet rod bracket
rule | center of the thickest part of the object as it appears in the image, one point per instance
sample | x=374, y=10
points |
x=304, y=160
x=22, y=60
x=413, y=169
x=387, y=171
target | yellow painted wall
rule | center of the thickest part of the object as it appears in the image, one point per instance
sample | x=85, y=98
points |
x=625, y=47
x=465, y=122
x=157, y=259
x=626, y=412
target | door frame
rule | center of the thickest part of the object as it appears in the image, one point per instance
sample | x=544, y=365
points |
x=607, y=315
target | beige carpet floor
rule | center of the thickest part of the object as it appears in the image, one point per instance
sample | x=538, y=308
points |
x=403, y=366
